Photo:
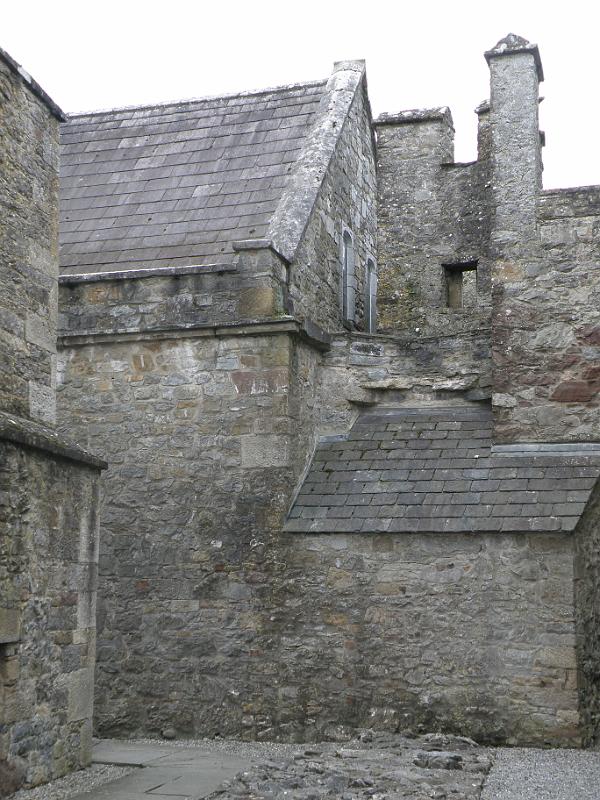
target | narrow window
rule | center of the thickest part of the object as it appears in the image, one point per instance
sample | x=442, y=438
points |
x=348, y=278
x=371, y=297
x=461, y=284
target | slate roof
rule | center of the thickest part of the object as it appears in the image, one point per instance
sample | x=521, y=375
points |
x=176, y=184
x=435, y=470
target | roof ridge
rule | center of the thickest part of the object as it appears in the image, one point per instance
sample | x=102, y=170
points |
x=191, y=100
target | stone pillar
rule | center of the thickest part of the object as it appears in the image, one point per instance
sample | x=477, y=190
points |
x=515, y=74
x=516, y=178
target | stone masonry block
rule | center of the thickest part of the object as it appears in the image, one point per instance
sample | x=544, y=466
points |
x=264, y=451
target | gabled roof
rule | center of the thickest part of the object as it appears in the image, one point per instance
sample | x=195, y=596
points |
x=435, y=470
x=175, y=185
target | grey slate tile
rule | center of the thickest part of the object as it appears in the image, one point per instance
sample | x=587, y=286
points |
x=476, y=491
x=152, y=160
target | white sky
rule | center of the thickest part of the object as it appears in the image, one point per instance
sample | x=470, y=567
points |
x=89, y=55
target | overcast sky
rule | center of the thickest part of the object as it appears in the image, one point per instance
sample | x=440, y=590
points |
x=90, y=55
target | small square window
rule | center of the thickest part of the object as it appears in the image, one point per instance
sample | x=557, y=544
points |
x=461, y=284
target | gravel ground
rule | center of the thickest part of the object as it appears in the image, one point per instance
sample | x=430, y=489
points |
x=84, y=780
x=529, y=774
x=376, y=766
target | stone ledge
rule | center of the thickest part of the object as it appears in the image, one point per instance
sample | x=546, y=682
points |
x=144, y=272
x=308, y=331
x=38, y=437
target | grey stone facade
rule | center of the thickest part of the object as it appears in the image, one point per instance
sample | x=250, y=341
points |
x=49, y=511
x=310, y=527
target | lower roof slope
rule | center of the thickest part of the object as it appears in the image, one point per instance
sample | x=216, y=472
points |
x=435, y=470
x=175, y=184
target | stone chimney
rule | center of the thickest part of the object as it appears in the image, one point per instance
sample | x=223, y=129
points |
x=515, y=173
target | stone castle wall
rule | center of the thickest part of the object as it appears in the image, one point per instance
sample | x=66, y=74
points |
x=206, y=391
x=201, y=392
x=199, y=465
x=346, y=199
x=48, y=488
x=362, y=369
x=587, y=616
x=549, y=377
x=432, y=214
x=48, y=577
x=463, y=633
x=28, y=249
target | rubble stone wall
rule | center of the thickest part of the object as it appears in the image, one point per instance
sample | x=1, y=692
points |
x=587, y=609
x=432, y=214
x=206, y=438
x=547, y=374
x=465, y=633
x=28, y=248
x=362, y=369
x=48, y=572
x=347, y=197
x=48, y=488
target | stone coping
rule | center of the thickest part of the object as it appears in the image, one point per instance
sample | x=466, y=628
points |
x=68, y=279
x=39, y=437
x=33, y=86
x=412, y=115
x=513, y=45
x=296, y=205
x=308, y=331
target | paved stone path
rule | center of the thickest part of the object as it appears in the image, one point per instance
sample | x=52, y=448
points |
x=379, y=766
x=169, y=772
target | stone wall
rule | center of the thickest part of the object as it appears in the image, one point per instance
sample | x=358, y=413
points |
x=433, y=216
x=472, y=634
x=362, y=369
x=28, y=245
x=346, y=197
x=48, y=571
x=587, y=611
x=206, y=438
x=48, y=488
x=179, y=298
x=549, y=378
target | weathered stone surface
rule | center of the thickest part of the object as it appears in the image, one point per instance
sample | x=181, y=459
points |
x=376, y=765
x=47, y=576
x=28, y=245
x=587, y=615
x=346, y=197
x=205, y=493
x=48, y=487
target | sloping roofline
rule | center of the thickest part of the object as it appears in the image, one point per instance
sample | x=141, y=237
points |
x=33, y=85
x=191, y=100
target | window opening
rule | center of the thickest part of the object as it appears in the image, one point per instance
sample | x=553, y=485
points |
x=461, y=284
x=371, y=297
x=348, y=278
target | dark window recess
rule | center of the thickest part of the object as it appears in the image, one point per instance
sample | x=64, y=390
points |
x=461, y=284
x=348, y=288
x=371, y=297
